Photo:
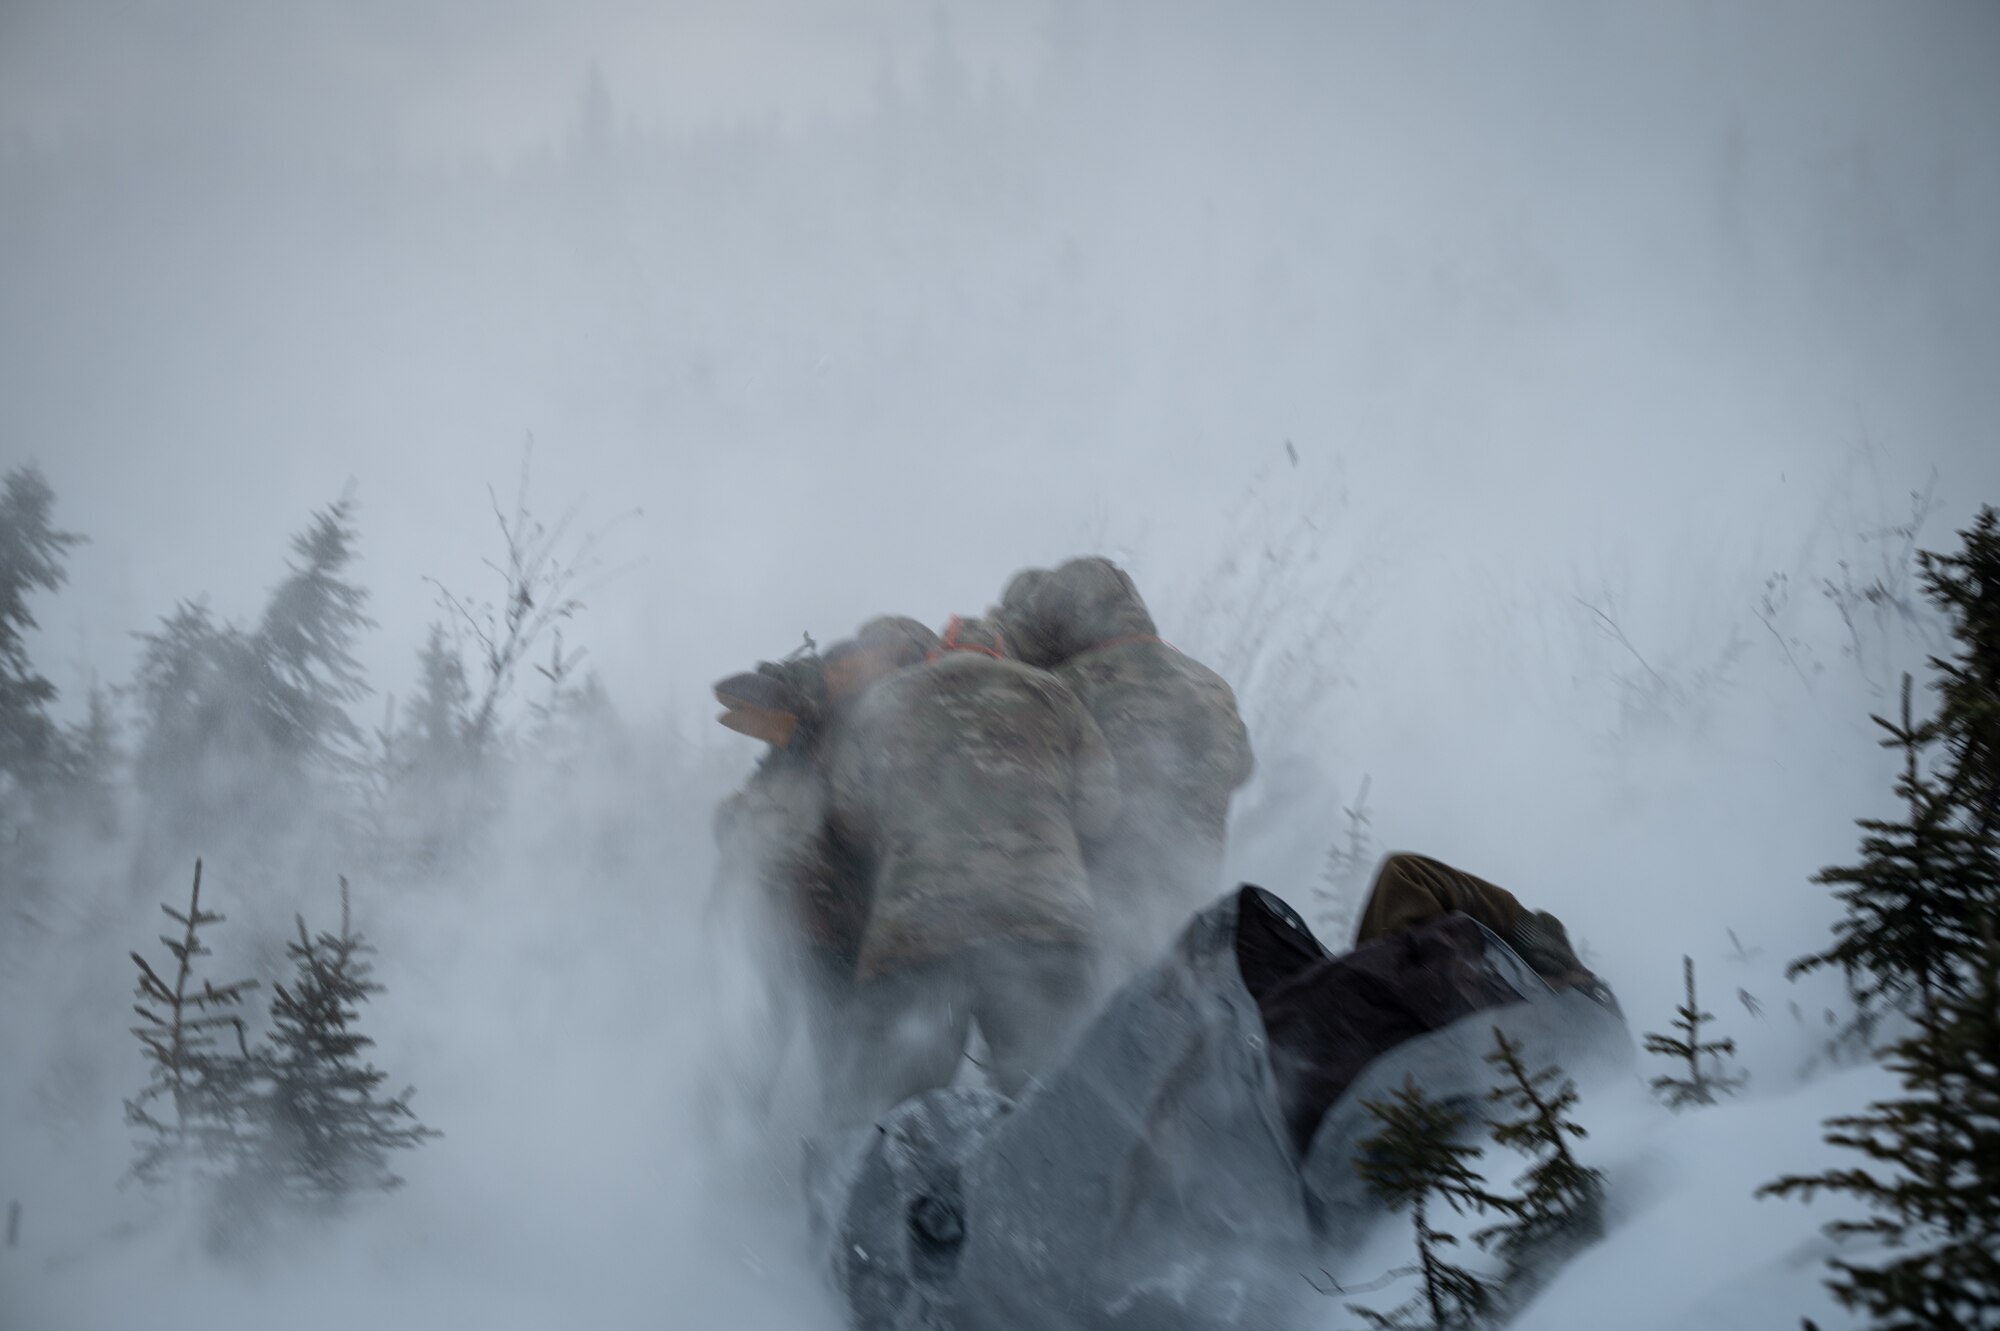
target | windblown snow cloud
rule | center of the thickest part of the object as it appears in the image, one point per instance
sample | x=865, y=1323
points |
x=1499, y=399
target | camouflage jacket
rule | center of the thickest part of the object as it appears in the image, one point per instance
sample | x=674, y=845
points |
x=968, y=782
x=1172, y=723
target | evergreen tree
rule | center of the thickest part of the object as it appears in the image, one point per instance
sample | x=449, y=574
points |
x=327, y=1135
x=439, y=717
x=31, y=559
x=1912, y=898
x=232, y=723
x=193, y=1072
x=1561, y=1208
x=1341, y=880
x=1966, y=586
x=307, y=637
x=1416, y=1161
x=203, y=745
x=92, y=757
x=1936, y=1182
x=428, y=796
x=1700, y=1085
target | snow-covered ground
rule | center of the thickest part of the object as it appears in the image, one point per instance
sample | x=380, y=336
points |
x=1689, y=1246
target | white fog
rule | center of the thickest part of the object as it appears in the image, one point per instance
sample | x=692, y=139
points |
x=1532, y=410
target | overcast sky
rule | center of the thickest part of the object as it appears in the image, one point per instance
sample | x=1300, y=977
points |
x=440, y=77
x=866, y=304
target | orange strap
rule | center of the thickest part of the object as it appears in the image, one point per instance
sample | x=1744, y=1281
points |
x=950, y=642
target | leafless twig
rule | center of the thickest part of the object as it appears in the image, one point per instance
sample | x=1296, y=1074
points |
x=544, y=578
x=1617, y=635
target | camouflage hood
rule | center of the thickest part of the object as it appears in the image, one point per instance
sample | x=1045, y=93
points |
x=902, y=640
x=1017, y=618
x=1085, y=603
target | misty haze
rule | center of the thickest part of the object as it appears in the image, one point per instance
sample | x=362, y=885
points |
x=1535, y=439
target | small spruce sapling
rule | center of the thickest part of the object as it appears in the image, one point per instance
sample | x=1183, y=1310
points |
x=193, y=1073
x=1339, y=891
x=327, y=1135
x=1701, y=1085
x=1936, y=1188
x=1561, y=1208
x=1415, y=1161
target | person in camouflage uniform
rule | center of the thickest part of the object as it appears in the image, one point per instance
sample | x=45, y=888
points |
x=779, y=872
x=971, y=782
x=1173, y=727
x=803, y=890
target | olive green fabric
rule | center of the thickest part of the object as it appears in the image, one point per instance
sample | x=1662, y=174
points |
x=967, y=782
x=1410, y=890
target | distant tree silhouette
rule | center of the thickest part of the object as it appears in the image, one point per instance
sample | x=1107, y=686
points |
x=427, y=790
x=438, y=721
x=203, y=750
x=32, y=550
x=233, y=724
x=92, y=761
x=306, y=640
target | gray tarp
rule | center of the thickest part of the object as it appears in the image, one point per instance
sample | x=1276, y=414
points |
x=1150, y=1181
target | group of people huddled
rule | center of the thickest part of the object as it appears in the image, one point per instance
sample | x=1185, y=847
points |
x=1000, y=822
x=990, y=824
